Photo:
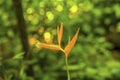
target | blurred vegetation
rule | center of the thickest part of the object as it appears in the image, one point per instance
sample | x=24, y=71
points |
x=96, y=55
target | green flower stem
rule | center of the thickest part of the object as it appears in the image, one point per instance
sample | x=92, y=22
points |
x=68, y=73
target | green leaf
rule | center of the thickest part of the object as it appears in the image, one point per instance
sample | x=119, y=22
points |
x=18, y=56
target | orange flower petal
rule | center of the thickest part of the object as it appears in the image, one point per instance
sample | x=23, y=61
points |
x=71, y=44
x=60, y=33
x=48, y=46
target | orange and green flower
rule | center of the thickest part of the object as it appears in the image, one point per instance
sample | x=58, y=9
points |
x=68, y=47
x=66, y=50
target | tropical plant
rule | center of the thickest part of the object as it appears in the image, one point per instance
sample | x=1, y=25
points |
x=67, y=49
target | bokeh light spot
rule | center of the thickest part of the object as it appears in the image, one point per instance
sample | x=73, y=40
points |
x=42, y=12
x=59, y=8
x=47, y=37
x=30, y=10
x=74, y=9
x=41, y=30
x=50, y=15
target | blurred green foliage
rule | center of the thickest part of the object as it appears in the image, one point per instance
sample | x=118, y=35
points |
x=90, y=59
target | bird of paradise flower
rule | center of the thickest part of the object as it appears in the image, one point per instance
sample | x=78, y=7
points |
x=66, y=50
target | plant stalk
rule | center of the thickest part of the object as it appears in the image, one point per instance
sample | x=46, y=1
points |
x=67, y=68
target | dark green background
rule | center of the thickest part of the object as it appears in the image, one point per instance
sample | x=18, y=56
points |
x=96, y=55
